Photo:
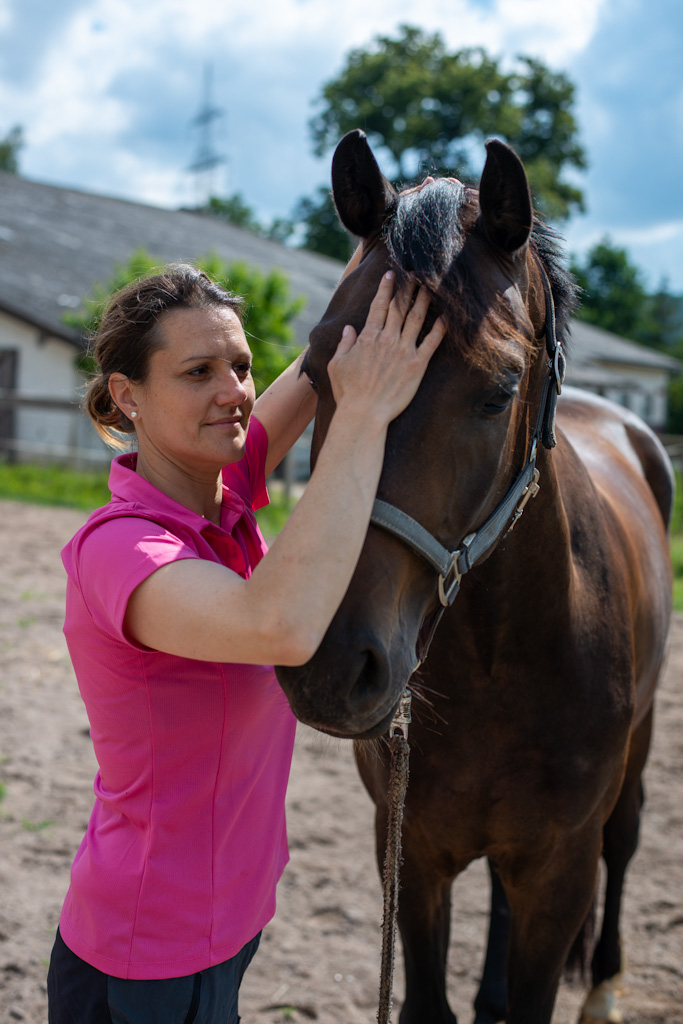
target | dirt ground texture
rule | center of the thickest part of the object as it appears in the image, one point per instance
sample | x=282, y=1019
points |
x=319, y=958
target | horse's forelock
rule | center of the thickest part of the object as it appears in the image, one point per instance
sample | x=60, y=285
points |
x=426, y=233
x=427, y=236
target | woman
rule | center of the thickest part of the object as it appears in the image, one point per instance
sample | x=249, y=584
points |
x=173, y=620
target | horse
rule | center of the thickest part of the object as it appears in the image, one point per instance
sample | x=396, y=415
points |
x=533, y=712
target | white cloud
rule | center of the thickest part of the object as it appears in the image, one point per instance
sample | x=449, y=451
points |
x=82, y=117
x=74, y=96
x=652, y=234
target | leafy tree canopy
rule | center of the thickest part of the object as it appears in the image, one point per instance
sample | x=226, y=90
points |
x=614, y=295
x=616, y=298
x=9, y=150
x=237, y=211
x=270, y=309
x=321, y=229
x=430, y=110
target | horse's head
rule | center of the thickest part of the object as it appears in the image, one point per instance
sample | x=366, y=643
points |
x=453, y=454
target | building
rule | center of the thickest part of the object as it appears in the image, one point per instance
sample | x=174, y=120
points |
x=55, y=244
x=631, y=375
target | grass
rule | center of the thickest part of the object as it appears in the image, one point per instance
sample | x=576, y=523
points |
x=54, y=485
x=87, y=489
x=38, y=826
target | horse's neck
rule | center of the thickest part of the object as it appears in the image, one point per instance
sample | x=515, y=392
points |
x=533, y=560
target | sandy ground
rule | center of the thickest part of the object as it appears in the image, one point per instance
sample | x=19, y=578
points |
x=319, y=959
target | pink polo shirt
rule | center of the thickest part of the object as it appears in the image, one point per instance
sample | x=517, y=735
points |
x=187, y=840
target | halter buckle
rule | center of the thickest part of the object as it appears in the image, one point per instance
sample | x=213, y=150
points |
x=558, y=367
x=449, y=585
x=530, y=491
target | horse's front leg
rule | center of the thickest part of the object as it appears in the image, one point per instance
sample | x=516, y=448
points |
x=549, y=903
x=620, y=842
x=424, y=915
x=490, y=1004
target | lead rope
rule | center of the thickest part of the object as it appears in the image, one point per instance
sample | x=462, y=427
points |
x=398, y=784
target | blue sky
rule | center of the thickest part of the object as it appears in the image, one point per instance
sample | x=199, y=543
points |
x=106, y=91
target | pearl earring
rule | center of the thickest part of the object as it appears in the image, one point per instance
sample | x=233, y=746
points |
x=133, y=415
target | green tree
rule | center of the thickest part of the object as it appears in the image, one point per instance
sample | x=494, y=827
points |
x=614, y=295
x=322, y=231
x=662, y=325
x=235, y=210
x=675, y=406
x=429, y=110
x=270, y=309
x=9, y=150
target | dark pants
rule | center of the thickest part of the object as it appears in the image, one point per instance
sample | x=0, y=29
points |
x=80, y=994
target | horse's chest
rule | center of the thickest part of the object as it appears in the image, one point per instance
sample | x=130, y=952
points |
x=515, y=757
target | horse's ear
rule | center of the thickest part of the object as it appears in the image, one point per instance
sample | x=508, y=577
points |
x=361, y=193
x=504, y=198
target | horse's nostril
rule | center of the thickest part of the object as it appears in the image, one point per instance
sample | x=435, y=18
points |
x=370, y=687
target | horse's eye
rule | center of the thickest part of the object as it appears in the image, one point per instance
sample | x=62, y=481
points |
x=499, y=401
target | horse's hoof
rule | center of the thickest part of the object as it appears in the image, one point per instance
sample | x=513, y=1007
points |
x=601, y=1005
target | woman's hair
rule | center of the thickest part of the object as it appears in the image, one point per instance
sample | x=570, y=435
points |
x=128, y=334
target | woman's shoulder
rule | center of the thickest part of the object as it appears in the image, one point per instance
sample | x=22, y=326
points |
x=121, y=533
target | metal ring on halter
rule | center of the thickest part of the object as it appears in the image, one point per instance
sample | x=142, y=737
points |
x=449, y=585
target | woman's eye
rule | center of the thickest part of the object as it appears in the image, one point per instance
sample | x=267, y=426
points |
x=198, y=371
x=242, y=370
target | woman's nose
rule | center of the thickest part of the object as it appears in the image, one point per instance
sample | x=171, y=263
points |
x=232, y=390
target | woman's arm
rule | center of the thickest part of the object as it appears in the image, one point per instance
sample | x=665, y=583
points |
x=202, y=610
x=285, y=409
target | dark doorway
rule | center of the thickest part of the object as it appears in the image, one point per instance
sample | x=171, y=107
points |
x=9, y=362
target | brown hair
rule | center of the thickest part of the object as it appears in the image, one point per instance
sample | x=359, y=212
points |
x=128, y=335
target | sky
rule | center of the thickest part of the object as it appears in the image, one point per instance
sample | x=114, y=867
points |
x=107, y=92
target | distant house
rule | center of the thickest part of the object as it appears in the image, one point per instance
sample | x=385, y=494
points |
x=56, y=243
x=631, y=375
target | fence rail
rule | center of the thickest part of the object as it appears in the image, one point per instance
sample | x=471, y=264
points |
x=89, y=450
x=17, y=442
x=10, y=399
x=85, y=453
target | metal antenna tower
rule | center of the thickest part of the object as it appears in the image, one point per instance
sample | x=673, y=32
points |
x=207, y=159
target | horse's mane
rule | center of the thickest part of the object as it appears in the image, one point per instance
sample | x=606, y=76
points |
x=435, y=234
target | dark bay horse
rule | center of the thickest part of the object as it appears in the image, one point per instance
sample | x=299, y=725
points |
x=528, y=744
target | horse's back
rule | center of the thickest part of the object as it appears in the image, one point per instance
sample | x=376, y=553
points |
x=634, y=481
x=600, y=430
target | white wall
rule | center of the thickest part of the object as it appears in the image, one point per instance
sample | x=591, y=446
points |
x=644, y=391
x=46, y=368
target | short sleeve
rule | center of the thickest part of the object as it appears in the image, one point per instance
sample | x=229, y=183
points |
x=114, y=558
x=248, y=476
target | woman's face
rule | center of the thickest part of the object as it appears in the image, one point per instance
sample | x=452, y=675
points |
x=195, y=404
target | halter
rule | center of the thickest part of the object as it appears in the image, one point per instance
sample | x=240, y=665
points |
x=452, y=565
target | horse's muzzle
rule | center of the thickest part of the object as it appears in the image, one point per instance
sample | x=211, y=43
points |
x=345, y=692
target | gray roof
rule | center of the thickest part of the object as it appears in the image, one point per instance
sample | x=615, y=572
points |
x=56, y=243
x=590, y=345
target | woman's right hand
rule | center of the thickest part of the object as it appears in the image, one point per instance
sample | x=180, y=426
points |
x=377, y=372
